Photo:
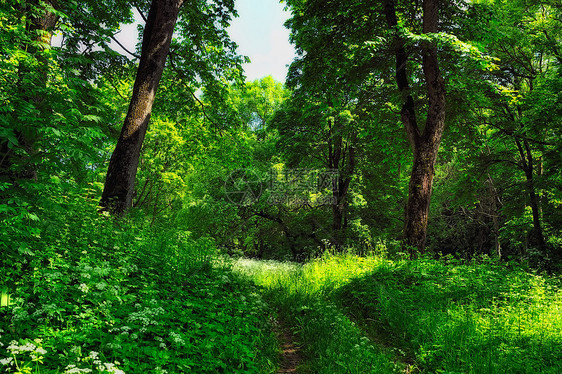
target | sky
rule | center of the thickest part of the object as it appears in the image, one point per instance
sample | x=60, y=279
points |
x=259, y=33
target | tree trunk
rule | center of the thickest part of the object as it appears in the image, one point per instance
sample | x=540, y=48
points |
x=494, y=199
x=119, y=184
x=527, y=161
x=419, y=197
x=425, y=145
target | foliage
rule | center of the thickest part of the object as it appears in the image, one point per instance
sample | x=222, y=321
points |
x=452, y=317
x=331, y=342
x=115, y=296
x=298, y=172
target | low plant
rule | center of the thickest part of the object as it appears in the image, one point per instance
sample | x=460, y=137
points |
x=97, y=294
x=330, y=341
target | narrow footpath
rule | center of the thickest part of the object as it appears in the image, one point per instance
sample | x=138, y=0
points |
x=290, y=351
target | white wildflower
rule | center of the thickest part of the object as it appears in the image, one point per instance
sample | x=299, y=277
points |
x=177, y=338
x=6, y=361
x=110, y=368
x=84, y=287
x=72, y=369
x=15, y=349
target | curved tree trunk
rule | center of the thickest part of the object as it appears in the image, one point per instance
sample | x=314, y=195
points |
x=119, y=184
x=425, y=145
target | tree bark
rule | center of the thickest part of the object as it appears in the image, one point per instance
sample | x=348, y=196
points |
x=494, y=211
x=119, y=184
x=527, y=161
x=425, y=145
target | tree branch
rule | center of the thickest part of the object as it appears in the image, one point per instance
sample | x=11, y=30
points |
x=123, y=47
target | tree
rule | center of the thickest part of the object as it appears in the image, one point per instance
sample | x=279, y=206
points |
x=200, y=25
x=119, y=185
x=521, y=111
x=322, y=135
x=49, y=90
x=425, y=143
x=343, y=49
x=39, y=21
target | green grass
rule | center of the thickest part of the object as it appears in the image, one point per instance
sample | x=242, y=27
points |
x=331, y=343
x=369, y=314
x=482, y=317
x=80, y=292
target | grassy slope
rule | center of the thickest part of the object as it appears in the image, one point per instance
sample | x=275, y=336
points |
x=430, y=315
x=95, y=295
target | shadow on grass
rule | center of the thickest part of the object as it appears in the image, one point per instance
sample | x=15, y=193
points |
x=485, y=318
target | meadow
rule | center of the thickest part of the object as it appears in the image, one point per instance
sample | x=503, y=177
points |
x=375, y=315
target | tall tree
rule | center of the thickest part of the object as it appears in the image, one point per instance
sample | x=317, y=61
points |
x=39, y=22
x=159, y=29
x=201, y=51
x=344, y=47
x=525, y=39
x=424, y=142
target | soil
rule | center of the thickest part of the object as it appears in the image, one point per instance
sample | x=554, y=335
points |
x=290, y=351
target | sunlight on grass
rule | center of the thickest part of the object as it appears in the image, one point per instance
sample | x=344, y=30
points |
x=428, y=315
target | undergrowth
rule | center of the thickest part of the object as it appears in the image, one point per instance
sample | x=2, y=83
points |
x=85, y=293
x=481, y=317
x=331, y=343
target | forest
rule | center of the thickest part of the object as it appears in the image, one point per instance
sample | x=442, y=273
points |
x=394, y=206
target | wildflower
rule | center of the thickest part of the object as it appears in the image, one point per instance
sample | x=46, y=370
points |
x=19, y=313
x=15, y=349
x=110, y=368
x=177, y=338
x=84, y=287
x=6, y=361
x=93, y=355
x=72, y=369
x=37, y=354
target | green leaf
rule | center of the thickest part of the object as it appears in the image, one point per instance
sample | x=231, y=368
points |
x=4, y=298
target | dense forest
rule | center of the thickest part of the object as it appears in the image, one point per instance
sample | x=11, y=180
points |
x=394, y=207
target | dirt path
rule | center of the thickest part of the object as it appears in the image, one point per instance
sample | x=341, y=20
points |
x=290, y=351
